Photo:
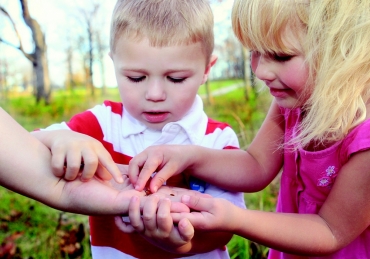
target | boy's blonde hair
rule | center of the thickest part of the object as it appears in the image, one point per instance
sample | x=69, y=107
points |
x=335, y=37
x=164, y=23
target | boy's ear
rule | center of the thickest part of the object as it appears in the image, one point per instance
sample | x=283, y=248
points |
x=211, y=63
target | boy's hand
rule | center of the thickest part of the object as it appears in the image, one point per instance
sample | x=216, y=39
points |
x=75, y=154
x=166, y=160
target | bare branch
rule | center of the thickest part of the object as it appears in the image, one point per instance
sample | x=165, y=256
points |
x=20, y=47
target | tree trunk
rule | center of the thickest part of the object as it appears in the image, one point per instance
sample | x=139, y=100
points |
x=40, y=62
x=91, y=60
x=248, y=76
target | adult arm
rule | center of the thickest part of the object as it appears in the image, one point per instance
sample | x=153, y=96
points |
x=25, y=168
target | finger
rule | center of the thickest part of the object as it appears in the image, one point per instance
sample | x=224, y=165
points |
x=150, y=213
x=72, y=165
x=124, y=227
x=179, y=207
x=134, y=168
x=122, y=168
x=196, y=202
x=107, y=162
x=135, y=215
x=103, y=173
x=141, y=169
x=186, y=230
x=89, y=164
x=162, y=175
x=164, y=219
x=179, y=192
x=57, y=163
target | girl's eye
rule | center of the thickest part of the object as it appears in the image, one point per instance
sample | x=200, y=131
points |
x=136, y=79
x=176, y=80
x=281, y=57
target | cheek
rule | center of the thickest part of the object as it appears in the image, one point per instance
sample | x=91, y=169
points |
x=296, y=75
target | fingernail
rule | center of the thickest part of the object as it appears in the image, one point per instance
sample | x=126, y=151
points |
x=184, y=223
x=185, y=198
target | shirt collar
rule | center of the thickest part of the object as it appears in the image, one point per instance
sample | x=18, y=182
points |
x=194, y=123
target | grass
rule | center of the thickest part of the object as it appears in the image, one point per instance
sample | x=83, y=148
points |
x=37, y=231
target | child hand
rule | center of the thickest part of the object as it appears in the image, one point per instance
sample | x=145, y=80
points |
x=75, y=154
x=209, y=213
x=167, y=160
x=156, y=224
x=173, y=194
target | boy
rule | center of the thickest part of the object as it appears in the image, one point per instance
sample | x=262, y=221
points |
x=162, y=53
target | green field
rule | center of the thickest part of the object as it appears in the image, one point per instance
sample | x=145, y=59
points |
x=29, y=229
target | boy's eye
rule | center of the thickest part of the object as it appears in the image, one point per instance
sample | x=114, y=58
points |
x=136, y=79
x=176, y=80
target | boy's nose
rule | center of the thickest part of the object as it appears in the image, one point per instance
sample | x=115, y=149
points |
x=155, y=92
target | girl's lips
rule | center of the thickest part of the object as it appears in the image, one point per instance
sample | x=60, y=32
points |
x=279, y=93
x=155, y=117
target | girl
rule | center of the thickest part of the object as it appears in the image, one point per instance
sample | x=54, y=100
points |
x=314, y=58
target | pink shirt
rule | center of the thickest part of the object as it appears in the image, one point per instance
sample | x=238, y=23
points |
x=307, y=179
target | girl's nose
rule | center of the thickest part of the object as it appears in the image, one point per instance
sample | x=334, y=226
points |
x=155, y=91
x=263, y=68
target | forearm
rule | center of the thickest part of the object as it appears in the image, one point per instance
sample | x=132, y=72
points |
x=234, y=170
x=302, y=234
x=23, y=159
x=25, y=168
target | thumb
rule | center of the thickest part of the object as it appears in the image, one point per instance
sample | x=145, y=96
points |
x=178, y=207
x=186, y=230
x=196, y=202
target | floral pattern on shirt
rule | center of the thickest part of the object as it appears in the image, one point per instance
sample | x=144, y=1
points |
x=327, y=178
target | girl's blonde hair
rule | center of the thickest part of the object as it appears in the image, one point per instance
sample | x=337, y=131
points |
x=335, y=37
x=164, y=22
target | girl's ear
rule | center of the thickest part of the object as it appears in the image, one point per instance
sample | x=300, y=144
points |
x=211, y=63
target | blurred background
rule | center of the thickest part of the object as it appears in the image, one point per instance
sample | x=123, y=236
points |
x=54, y=63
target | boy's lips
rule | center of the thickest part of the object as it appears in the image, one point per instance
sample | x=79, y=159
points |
x=155, y=117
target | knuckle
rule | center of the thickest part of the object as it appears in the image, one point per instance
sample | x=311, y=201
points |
x=161, y=180
x=161, y=216
x=147, y=218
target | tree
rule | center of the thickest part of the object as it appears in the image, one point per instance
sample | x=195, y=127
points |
x=38, y=57
x=249, y=91
x=88, y=17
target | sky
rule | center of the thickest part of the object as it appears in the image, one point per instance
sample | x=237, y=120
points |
x=59, y=18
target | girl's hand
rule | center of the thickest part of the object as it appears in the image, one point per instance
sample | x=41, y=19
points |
x=165, y=161
x=155, y=224
x=151, y=217
x=209, y=214
x=75, y=154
